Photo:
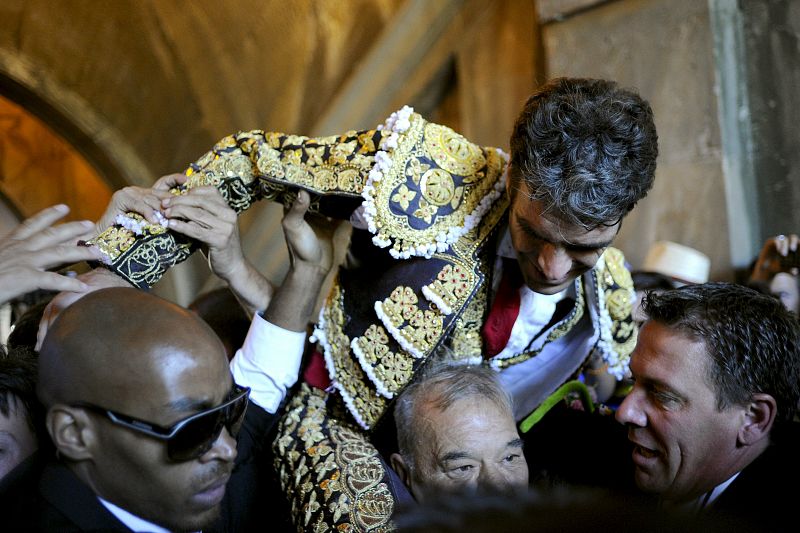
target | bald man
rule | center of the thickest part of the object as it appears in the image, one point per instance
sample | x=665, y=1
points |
x=144, y=412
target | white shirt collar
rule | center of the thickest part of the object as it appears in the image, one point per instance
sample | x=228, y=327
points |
x=131, y=521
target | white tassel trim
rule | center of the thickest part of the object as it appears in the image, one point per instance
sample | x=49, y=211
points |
x=437, y=300
x=320, y=337
x=395, y=333
x=398, y=122
x=367, y=368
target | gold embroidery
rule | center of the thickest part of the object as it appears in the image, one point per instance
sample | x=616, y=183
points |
x=404, y=196
x=416, y=330
x=452, y=285
x=347, y=490
x=435, y=180
x=114, y=241
x=618, y=302
x=466, y=340
x=616, y=282
x=387, y=369
x=615, y=263
x=452, y=151
x=350, y=379
x=437, y=187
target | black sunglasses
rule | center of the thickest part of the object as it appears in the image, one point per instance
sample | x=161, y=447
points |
x=193, y=436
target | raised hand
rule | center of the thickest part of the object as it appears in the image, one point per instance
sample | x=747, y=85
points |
x=143, y=200
x=202, y=214
x=35, y=246
x=775, y=257
x=309, y=239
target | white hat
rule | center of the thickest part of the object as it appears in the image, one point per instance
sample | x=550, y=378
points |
x=683, y=263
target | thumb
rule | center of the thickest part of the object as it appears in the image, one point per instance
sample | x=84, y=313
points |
x=295, y=216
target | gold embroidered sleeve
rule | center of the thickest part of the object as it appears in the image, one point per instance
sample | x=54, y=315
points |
x=247, y=167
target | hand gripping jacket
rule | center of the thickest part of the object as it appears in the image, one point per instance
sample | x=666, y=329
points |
x=432, y=203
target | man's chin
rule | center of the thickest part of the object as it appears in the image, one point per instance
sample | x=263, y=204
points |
x=201, y=521
x=548, y=289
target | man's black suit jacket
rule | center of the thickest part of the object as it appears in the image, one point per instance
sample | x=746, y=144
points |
x=763, y=496
x=44, y=495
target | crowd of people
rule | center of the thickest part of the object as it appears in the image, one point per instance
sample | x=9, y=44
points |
x=481, y=360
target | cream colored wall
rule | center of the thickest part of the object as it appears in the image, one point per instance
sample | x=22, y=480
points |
x=663, y=48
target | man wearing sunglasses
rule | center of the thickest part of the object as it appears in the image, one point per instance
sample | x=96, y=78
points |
x=153, y=429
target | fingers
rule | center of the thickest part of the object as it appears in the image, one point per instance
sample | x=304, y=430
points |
x=67, y=233
x=785, y=244
x=295, y=216
x=140, y=200
x=202, y=214
x=170, y=181
x=41, y=220
x=206, y=198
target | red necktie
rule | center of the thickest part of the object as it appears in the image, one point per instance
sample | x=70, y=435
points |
x=505, y=309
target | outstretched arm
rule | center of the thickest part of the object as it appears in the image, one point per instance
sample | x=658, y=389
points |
x=269, y=361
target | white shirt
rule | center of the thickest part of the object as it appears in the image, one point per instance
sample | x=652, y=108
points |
x=132, y=522
x=529, y=382
x=268, y=363
x=705, y=500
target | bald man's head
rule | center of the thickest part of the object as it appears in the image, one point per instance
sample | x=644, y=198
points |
x=119, y=360
x=119, y=338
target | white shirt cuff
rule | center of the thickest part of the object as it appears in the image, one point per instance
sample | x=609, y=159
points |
x=268, y=362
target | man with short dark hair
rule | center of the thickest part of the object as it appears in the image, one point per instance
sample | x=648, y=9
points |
x=456, y=432
x=717, y=383
x=20, y=422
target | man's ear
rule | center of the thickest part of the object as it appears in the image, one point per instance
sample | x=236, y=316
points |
x=399, y=465
x=759, y=416
x=71, y=431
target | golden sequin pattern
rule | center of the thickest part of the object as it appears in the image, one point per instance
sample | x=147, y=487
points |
x=392, y=370
x=239, y=165
x=466, y=173
x=420, y=328
x=349, y=376
x=616, y=283
x=330, y=472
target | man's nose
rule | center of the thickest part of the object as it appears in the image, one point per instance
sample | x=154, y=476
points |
x=223, y=449
x=629, y=412
x=554, y=262
x=493, y=480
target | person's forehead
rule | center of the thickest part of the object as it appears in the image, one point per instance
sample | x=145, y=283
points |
x=468, y=423
x=668, y=355
x=172, y=381
x=535, y=217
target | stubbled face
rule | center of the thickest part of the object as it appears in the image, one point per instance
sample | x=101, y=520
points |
x=785, y=286
x=133, y=471
x=552, y=253
x=683, y=445
x=467, y=447
x=17, y=440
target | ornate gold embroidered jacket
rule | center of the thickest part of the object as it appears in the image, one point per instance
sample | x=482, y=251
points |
x=432, y=204
x=430, y=198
